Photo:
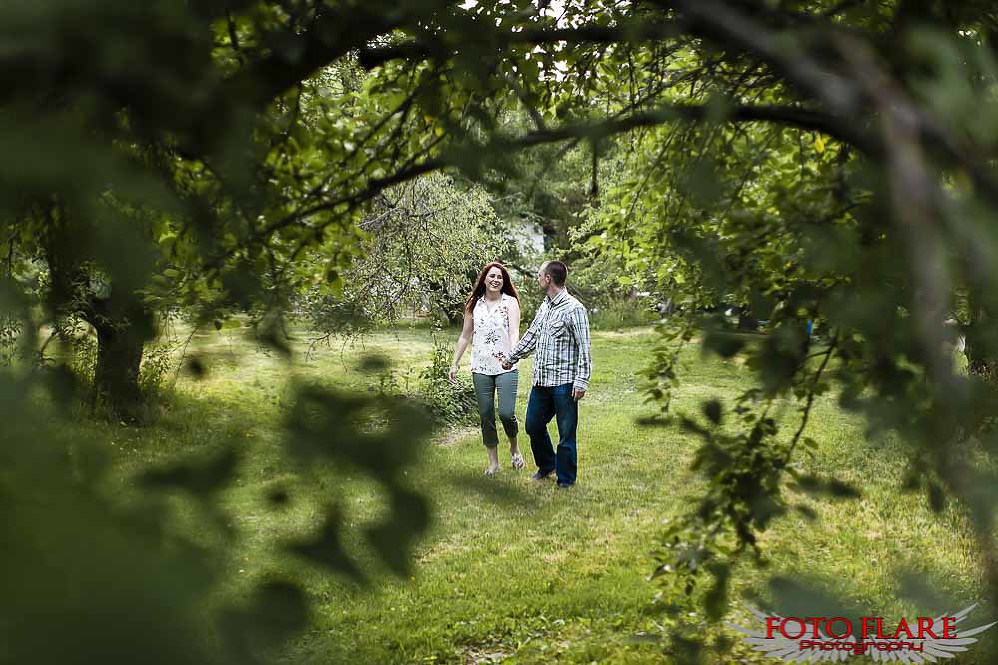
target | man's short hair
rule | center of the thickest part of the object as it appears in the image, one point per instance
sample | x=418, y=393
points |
x=558, y=272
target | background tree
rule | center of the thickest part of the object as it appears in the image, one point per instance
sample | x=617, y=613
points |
x=427, y=241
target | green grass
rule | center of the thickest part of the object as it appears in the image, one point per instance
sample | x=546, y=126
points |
x=517, y=571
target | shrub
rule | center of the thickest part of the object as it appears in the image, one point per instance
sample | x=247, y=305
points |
x=448, y=403
x=10, y=330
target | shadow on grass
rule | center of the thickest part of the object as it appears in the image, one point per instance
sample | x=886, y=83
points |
x=501, y=493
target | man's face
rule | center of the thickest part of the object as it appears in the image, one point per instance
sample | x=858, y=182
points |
x=543, y=278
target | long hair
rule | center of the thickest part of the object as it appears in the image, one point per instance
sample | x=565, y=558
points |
x=479, y=290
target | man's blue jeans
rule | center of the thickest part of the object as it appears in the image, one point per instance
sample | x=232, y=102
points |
x=547, y=402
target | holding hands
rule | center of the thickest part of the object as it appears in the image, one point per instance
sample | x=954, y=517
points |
x=503, y=360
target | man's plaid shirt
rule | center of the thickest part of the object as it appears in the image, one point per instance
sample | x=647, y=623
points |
x=560, y=335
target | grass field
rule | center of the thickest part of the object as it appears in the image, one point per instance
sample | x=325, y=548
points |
x=519, y=572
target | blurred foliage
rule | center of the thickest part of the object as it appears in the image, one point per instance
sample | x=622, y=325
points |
x=825, y=162
x=814, y=208
x=171, y=158
x=115, y=577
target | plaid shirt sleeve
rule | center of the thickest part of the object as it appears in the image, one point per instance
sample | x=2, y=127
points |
x=529, y=340
x=579, y=325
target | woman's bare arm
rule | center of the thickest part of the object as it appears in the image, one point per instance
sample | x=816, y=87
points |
x=467, y=332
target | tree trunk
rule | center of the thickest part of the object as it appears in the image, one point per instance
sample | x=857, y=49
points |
x=116, y=312
x=123, y=325
x=116, y=377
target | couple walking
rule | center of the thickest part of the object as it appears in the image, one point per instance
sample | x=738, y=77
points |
x=559, y=338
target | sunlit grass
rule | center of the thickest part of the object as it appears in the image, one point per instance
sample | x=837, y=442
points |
x=519, y=571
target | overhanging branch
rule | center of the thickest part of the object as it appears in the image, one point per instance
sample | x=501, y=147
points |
x=332, y=35
x=421, y=49
x=790, y=116
x=459, y=155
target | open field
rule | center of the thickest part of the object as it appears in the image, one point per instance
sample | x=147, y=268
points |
x=519, y=572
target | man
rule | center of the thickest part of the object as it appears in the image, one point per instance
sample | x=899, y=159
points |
x=562, y=366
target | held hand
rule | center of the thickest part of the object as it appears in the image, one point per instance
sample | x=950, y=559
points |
x=507, y=365
x=452, y=374
x=578, y=393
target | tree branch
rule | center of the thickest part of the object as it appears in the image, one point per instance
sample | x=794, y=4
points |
x=810, y=396
x=332, y=35
x=791, y=116
x=635, y=31
x=459, y=155
x=234, y=37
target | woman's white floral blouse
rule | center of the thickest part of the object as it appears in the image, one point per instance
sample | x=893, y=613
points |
x=491, y=342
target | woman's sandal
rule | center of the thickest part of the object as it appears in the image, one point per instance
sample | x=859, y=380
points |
x=517, y=461
x=491, y=471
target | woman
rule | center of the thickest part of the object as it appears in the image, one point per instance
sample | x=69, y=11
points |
x=492, y=327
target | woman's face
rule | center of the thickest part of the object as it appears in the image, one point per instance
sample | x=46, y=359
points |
x=493, y=280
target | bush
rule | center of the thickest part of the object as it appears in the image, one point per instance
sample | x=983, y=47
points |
x=448, y=403
x=10, y=330
x=157, y=364
x=83, y=361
